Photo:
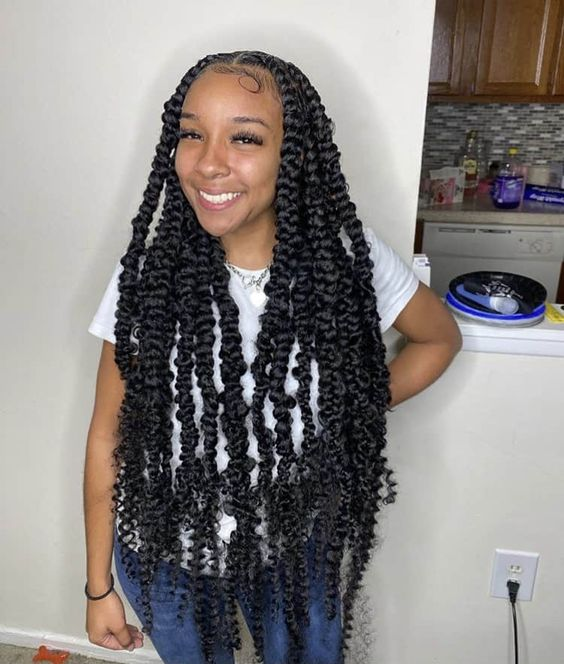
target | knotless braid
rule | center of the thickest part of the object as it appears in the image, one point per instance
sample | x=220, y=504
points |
x=311, y=504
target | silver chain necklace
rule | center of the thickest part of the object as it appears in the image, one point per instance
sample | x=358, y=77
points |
x=252, y=281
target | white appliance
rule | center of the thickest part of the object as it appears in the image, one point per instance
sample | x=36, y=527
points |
x=456, y=248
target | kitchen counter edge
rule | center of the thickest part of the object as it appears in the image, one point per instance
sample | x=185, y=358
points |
x=483, y=213
x=546, y=338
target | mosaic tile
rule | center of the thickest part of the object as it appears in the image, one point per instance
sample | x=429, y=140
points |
x=537, y=129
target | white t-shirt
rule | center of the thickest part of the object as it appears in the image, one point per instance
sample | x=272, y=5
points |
x=394, y=284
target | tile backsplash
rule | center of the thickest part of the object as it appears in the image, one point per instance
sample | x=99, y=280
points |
x=536, y=129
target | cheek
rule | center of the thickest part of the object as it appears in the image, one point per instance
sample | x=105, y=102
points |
x=273, y=176
x=183, y=168
x=265, y=173
x=180, y=163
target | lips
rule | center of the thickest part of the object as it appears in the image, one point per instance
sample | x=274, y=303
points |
x=218, y=201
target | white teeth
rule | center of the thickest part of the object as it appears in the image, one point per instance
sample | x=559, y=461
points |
x=219, y=198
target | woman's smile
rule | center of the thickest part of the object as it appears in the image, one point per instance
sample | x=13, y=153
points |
x=218, y=202
x=228, y=155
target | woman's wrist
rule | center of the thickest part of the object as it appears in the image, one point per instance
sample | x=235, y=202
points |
x=93, y=594
x=99, y=584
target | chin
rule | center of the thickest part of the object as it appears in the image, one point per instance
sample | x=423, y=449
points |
x=217, y=230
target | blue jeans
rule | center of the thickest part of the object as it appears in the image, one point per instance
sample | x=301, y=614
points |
x=180, y=644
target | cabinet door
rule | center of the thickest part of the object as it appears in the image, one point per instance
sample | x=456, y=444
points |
x=517, y=44
x=446, y=55
x=558, y=84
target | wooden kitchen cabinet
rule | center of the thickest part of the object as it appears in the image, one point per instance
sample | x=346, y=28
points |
x=446, y=55
x=498, y=50
x=517, y=46
x=558, y=78
x=456, y=34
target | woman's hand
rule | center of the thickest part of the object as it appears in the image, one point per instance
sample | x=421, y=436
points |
x=106, y=626
x=433, y=339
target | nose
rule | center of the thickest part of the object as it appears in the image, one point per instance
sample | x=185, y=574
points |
x=213, y=161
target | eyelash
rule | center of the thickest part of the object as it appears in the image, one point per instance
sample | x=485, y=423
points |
x=188, y=133
x=245, y=137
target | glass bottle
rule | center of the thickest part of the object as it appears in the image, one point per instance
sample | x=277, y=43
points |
x=469, y=162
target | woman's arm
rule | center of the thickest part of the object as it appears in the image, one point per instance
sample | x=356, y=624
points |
x=100, y=474
x=105, y=619
x=433, y=339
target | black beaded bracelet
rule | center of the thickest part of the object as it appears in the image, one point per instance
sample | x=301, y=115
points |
x=96, y=597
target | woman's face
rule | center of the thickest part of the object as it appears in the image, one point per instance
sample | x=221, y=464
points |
x=228, y=154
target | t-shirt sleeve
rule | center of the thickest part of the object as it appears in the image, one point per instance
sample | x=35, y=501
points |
x=104, y=320
x=394, y=282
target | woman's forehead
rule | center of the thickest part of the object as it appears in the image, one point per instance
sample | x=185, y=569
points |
x=217, y=93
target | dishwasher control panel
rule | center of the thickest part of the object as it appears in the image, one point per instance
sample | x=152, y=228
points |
x=536, y=245
x=493, y=240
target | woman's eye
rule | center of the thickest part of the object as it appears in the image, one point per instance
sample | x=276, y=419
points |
x=247, y=139
x=189, y=134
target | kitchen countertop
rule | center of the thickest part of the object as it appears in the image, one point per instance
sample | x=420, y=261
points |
x=545, y=338
x=482, y=210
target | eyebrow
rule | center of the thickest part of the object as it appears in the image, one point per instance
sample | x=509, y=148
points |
x=239, y=119
x=245, y=119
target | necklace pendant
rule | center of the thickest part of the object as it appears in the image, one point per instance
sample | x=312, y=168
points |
x=257, y=297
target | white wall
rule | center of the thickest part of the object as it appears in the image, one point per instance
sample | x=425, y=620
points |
x=480, y=465
x=477, y=455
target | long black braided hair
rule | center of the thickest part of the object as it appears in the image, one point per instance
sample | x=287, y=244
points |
x=173, y=291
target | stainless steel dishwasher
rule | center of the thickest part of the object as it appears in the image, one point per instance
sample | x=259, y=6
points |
x=456, y=248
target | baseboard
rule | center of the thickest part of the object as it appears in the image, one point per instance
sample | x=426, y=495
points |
x=33, y=639
x=145, y=655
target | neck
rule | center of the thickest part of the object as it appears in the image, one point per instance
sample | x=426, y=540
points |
x=250, y=248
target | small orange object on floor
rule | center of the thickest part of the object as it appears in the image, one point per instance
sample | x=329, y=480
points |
x=44, y=654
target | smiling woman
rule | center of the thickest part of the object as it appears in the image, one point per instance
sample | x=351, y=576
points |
x=227, y=162
x=244, y=372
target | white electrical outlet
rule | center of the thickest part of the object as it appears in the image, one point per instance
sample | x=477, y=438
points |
x=517, y=565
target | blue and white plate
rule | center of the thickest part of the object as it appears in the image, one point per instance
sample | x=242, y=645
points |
x=497, y=298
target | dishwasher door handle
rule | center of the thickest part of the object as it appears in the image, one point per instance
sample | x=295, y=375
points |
x=450, y=230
